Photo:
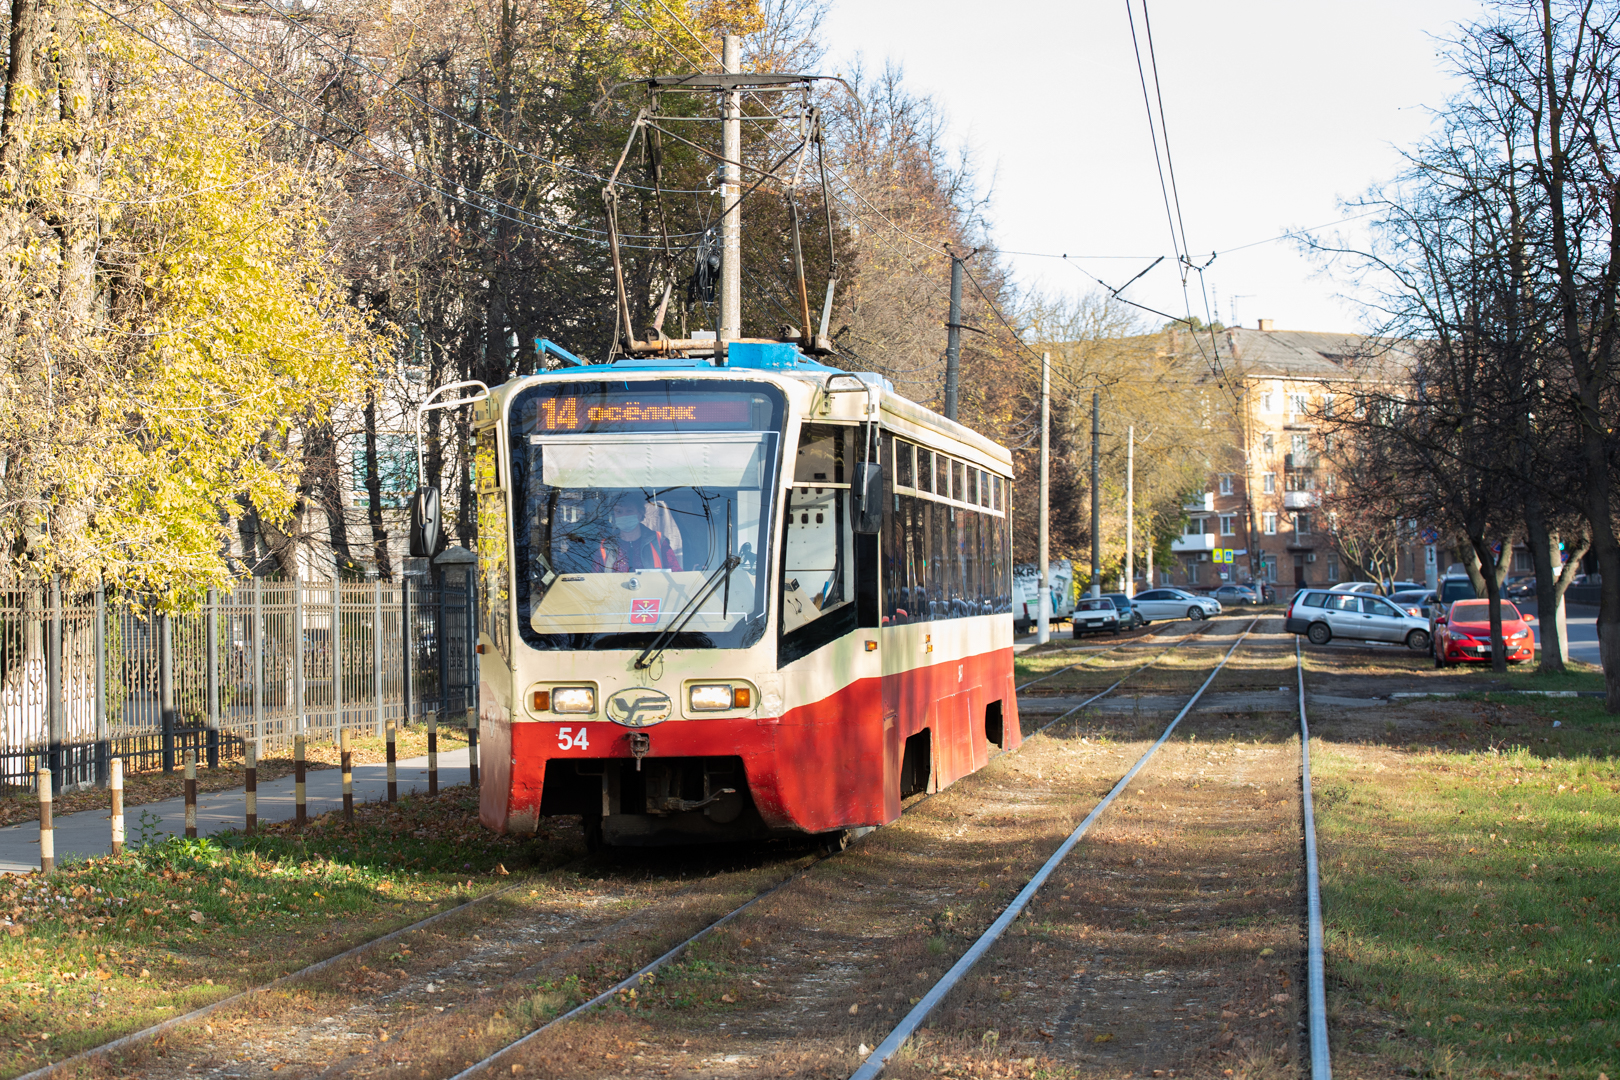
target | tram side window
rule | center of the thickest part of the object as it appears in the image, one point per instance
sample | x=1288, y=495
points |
x=494, y=563
x=817, y=576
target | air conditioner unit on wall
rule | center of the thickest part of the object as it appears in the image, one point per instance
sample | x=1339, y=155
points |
x=1311, y=557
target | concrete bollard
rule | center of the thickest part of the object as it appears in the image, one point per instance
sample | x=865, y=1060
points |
x=433, y=754
x=117, y=785
x=191, y=794
x=393, y=771
x=300, y=809
x=346, y=758
x=250, y=786
x=472, y=748
x=47, y=834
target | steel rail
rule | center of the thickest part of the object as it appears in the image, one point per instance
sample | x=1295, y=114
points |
x=635, y=979
x=136, y=1038
x=872, y=1067
x=1315, y=968
x=1104, y=652
x=1131, y=675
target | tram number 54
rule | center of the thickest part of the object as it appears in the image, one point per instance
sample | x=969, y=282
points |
x=566, y=740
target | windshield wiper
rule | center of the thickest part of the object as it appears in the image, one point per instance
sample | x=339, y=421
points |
x=652, y=652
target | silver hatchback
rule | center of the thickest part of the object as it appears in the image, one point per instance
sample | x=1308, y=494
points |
x=1323, y=616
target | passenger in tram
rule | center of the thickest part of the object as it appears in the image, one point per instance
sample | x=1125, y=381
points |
x=632, y=545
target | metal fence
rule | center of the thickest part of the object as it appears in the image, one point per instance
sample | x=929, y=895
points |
x=86, y=677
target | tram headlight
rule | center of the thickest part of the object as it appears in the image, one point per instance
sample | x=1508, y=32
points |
x=713, y=697
x=573, y=699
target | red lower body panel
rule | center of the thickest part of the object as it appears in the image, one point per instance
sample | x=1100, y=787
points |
x=831, y=764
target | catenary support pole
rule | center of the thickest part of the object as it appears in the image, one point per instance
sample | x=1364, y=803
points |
x=1096, y=494
x=1043, y=628
x=730, y=189
x=300, y=720
x=953, y=340
x=116, y=783
x=1130, y=511
x=258, y=664
x=337, y=654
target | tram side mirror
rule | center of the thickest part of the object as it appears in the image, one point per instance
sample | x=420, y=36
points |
x=868, y=498
x=427, y=533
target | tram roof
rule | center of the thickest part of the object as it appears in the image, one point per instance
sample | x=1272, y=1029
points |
x=785, y=359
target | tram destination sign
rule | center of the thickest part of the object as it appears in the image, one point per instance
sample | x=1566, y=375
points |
x=645, y=412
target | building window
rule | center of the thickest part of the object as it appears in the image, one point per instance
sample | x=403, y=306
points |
x=1297, y=404
x=1327, y=483
x=1226, y=483
x=396, y=469
x=1195, y=526
x=1268, y=483
x=1327, y=406
x=1268, y=402
x=1522, y=563
x=1268, y=444
x=1268, y=524
x=1228, y=524
x=1327, y=443
x=1298, y=444
x=1192, y=572
x=1302, y=524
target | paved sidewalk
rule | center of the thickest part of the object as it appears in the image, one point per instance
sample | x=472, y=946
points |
x=89, y=832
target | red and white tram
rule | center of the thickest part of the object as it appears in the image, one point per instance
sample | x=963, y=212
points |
x=768, y=598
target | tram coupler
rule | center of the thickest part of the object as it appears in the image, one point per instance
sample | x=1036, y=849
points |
x=640, y=746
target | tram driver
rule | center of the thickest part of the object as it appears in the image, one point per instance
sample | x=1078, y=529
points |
x=631, y=545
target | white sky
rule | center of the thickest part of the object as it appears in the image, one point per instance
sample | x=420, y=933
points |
x=1277, y=110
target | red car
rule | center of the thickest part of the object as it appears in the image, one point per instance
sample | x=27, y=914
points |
x=1464, y=633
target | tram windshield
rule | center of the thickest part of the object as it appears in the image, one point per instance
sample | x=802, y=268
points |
x=636, y=497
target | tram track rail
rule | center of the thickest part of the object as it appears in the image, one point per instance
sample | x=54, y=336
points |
x=150, y=1034
x=494, y=1060
x=880, y=1056
x=1202, y=626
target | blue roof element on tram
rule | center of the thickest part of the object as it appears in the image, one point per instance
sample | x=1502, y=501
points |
x=762, y=356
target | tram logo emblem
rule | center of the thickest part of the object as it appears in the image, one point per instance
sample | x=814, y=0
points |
x=639, y=707
x=644, y=611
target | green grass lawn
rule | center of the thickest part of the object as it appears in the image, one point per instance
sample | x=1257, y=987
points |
x=1472, y=900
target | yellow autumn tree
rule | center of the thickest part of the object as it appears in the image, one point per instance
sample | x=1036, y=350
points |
x=170, y=317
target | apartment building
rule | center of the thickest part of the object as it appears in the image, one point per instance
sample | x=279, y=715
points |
x=1260, y=516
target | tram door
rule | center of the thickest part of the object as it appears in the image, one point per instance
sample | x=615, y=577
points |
x=822, y=618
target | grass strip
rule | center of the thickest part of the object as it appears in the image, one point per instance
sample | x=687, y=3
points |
x=1473, y=900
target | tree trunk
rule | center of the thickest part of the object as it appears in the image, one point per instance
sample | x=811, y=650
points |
x=374, y=514
x=1550, y=585
x=1492, y=569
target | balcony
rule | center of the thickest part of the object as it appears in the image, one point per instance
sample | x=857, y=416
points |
x=1193, y=542
x=1204, y=502
x=1300, y=500
x=1296, y=462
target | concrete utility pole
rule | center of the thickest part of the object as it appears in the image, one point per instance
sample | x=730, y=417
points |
x=730, y=189
x=953, y=339
x=1130, y=511
x=1096, y=500
x=1043, y=628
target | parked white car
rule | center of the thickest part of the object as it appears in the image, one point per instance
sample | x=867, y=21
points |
x=1174, y=604
x=1094, y=614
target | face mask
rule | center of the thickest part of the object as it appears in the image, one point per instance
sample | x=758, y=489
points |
x=625, y=522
